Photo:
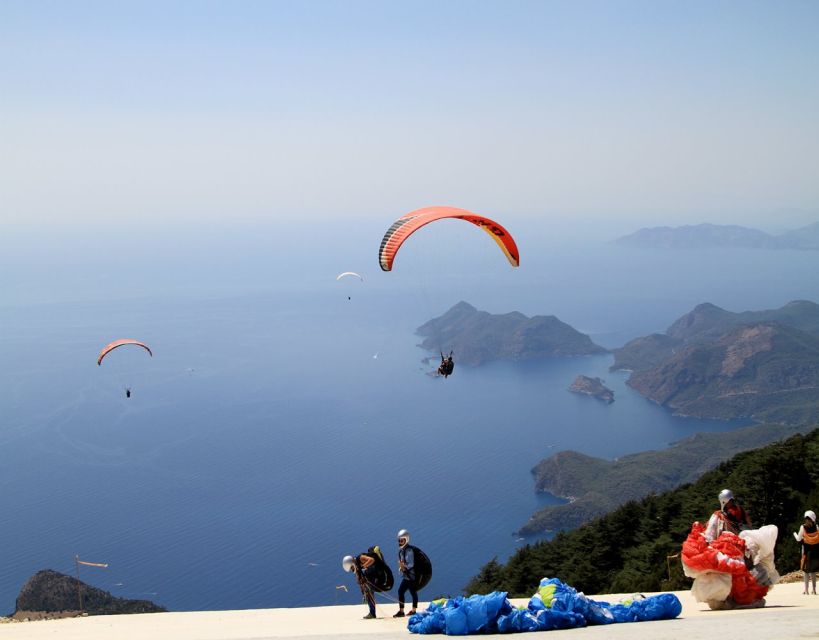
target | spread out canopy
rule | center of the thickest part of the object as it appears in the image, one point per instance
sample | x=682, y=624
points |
x=349, y=273
x=118, y=343
x=555, y=605
x=406, y=225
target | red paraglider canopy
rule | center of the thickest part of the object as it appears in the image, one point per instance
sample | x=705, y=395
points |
x=118, y=343
x=406, y=225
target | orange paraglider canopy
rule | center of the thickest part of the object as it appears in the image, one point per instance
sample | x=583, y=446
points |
x=118, y=343
x=406, y=225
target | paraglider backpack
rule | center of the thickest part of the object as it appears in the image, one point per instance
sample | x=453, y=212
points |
x=422, y=567
x=381, y=575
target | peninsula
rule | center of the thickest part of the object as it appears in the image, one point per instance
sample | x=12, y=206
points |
x=713, y=363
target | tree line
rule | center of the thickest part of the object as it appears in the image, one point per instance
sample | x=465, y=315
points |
x=627, y=550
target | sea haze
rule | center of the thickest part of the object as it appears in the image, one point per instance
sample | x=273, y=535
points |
x=281, y=425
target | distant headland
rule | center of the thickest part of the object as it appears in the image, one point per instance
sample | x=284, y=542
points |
x=51, y=594
x=713, y=363
x=710, y=363
x=703, y=236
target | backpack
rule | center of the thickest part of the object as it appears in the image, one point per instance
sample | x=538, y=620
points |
x=422, y=567
x=379, y=576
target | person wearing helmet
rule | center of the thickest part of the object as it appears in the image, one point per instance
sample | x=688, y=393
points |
x=447, y=365
x=406, y=565
x=362, y=565
x=809, y=537
x=729, y=517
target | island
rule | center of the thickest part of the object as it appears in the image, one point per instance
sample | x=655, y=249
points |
x=702, y=236
x=478, y=337
x=593, y=387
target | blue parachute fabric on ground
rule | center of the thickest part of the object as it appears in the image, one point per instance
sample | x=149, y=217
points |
x=555, y=606
x=539, y=620
x=462, y=616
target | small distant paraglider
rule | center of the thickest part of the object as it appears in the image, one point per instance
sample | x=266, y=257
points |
x=119, y=343
x=349, y=274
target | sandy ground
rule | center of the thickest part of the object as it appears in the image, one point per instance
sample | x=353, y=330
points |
x=788, y=614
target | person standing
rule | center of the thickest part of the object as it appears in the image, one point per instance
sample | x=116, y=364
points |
x=729, y=517
x=416, y=571
x=809, y=537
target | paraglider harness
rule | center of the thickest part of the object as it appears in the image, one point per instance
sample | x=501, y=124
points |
x=447, y=365
x=734, y=520
x=377, y=577
x=421, y=568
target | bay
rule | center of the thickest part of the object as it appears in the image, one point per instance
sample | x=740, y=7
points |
x=280, y=426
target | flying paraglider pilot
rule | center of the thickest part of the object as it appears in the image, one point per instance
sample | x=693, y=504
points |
x=127, y=392
x=447, y=365
x=729, y=517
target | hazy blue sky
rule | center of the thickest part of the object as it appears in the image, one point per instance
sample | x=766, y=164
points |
x=178, y=111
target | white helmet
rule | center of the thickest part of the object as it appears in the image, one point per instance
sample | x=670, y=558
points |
x=811, y=515
x=724, y=496
x=403, y=535
x=348, y=563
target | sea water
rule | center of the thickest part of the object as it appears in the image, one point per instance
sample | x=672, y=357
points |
x=280, y=425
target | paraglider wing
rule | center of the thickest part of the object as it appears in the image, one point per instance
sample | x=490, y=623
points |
x=406, y=225
x=349, y=273
x=118, y=343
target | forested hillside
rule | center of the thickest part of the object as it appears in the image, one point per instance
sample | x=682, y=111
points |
x=627, y=550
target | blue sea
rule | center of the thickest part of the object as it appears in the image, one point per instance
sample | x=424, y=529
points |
x=280, y=425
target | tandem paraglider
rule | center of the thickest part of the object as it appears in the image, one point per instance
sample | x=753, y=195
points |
x=447, y=365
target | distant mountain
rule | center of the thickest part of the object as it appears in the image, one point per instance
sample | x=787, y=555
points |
x=477, y=337
x=804, y=238
x=49, y=591
x=715, y=235
x=717, y=364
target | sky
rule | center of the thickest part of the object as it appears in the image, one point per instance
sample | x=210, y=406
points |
x=118, y=114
